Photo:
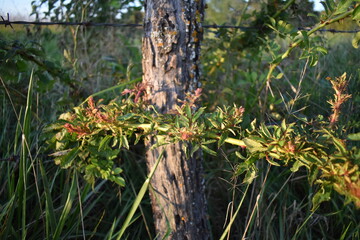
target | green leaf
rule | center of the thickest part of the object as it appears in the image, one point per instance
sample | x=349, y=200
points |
x=208, y=150
x=279, y=76
x=339, y=145
x=322, y=195
x=265, y=130
x=274, y=155
x=137, y=138
x=272, y=162
x=354, y=136
x=321, y=50
x=208, y=141
x=313, y=174
x=283, y=125
x=328, y=6
x=356, y=40
x=180, y=111
x=222, y=139
x=238, y=154
x=104, y=143
x=118, y=171
x=314, y=59
x=273, y=21
x=250, y=175
x=296, y=166
x=258, y=139
x=125, y=142
x=343, y=6
x=253, y=145
x=160, y=141
x=188, y=111
x=118, y=180
x=21, y=65
x=252, y=125
x=241, y=168
x=356, y=13
x=312, y=15
x=194, y=149
x=198, y=113
x=305, y=37
x=214, y=123
x=66, y=160
x=277, y=132
x=111, y=154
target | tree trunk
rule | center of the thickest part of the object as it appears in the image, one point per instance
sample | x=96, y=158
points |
x=171, y=48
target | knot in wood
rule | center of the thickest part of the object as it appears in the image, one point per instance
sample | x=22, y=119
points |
x=166, y=34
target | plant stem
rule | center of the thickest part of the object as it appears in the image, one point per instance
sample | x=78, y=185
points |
x=147, y=126
x=287, y=5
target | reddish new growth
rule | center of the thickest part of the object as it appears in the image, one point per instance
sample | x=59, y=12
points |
x=186, y=135
x=138, y=91
x=191, y=99
x=239, y=112
x=93, y=111
x=339, y=85
x=290, y=147
x=354, y=189
x=76, y=129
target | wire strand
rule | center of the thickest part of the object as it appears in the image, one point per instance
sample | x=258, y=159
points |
x=7, y=22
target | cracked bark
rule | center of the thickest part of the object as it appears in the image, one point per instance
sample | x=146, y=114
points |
x=171, y=48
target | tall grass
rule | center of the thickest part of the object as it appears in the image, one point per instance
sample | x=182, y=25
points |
x=40, y=201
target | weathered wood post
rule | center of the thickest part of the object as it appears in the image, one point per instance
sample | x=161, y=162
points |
x=171, y=48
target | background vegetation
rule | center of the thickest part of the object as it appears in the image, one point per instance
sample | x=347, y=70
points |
x=47, y=71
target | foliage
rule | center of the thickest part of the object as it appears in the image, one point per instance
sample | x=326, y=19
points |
x=278, y=201
x=91, y=137
x=15, y=58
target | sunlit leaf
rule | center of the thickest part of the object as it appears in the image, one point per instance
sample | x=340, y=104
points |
x=66, y=160
x=239, y=155
x=320, y=196
x=104, y=143
x=222, y=139
x=208, y=150
x=354, y=136
x=356, y=40
x=296, y=166
x=254, y=146
x=356, y=13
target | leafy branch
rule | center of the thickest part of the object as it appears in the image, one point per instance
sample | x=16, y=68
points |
x=91, y=138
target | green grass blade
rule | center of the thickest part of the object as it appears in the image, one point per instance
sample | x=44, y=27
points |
x=138, y=198
x=50, y=212
x=68, y=204
x=302, y=225
x=112, y=89
x=227, y=229
x=111, y=232
x=23, y=170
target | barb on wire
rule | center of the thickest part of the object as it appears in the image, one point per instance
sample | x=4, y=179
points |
x=134, y=25
x=6, y=22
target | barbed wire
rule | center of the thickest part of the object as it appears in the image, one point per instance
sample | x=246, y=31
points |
x=7, y=22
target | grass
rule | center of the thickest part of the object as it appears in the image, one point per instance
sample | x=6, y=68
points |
x=40, y=201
